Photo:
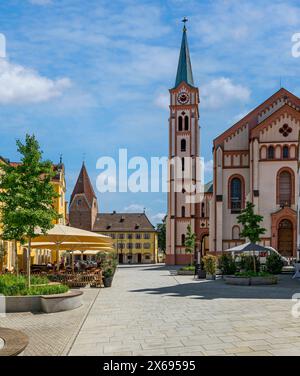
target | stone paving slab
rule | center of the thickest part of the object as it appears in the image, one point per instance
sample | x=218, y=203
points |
x=151, y=311
x=52, y=333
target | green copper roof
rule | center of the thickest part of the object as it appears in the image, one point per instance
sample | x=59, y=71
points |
x=184, y=70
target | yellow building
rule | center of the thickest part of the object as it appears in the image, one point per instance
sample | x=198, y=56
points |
x=38, y=256
x=134, y=237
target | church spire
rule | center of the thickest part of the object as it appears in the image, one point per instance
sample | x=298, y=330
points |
x=84, y=186
x=184, y=70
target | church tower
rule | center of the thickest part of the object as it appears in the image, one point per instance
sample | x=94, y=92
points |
x=83, y=203
x=183, y=171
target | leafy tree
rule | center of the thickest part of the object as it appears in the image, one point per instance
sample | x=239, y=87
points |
x=161, y=230
x=190, y=241
x=2, y=255
x=274, y=263
x=27, y=196
x=251, y=223
x=227, y=264
x=251, y=226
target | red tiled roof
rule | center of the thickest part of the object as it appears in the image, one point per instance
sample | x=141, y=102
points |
x=132, y=222
x=83, y=186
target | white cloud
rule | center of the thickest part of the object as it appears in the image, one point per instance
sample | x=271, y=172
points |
x=208, y=167
x=20, y=85
x=134, y=208
x=40, y=2
x=162, y=101
x=156, y=218
x=221, y=91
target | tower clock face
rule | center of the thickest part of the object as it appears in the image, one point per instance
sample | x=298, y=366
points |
x=183, y=98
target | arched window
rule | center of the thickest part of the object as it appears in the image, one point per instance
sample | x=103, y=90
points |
x=186, y=123
x=285, y=152
x=235, y=232
x=236, y=194
x=183, y=145
x=285, y=188
x=182, y=239
x=180, y=123
x=271, y=152
x=183, y=211
x=202, y=210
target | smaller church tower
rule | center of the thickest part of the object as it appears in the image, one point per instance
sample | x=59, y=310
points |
x=83, y=207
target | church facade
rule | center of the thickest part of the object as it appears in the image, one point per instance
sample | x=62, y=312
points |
x=256, y=160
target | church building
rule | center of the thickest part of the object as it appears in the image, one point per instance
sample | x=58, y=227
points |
x=256, y=160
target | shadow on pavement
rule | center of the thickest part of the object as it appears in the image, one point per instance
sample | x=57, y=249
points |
x=285, y=288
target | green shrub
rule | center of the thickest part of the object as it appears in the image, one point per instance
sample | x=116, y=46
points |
x=253, y=274
x=47, y=290
x=109, y=272
x=210, y=264
x=11, y=285
x=247, y=264
x=227, y=264
x=188, y=268
x=274, y=263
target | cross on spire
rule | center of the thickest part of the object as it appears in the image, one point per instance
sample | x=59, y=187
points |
x=184, y=20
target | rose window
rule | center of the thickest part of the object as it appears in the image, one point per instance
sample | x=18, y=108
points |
x=285, y=130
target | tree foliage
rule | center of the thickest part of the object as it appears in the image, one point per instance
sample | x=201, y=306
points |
x=251, y=223
x=161, y=231
x=27, y=194
x=190, y=241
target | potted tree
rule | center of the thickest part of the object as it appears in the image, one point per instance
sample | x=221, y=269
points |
x=210, y=266
x=108, y=276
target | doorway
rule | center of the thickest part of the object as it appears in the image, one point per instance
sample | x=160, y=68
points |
x=121, y=259
x=139, y=258
x=285, y=238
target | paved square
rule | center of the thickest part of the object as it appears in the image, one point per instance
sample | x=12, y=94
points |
x=151, y=311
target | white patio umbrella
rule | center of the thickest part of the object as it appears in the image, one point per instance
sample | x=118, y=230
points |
x=248, y=247
x=61, y=234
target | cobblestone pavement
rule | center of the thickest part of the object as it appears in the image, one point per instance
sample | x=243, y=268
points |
x=50, y=334
x=150, y=311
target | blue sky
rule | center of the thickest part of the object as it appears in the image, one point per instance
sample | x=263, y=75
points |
x=90, y=77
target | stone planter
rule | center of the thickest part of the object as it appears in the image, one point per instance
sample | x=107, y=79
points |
x=234, y=280
x=250, y=281
x=28, y=303
x=61, y=302
x=44, y=303
x=107, y=281
x=271, y=280
x=185, y=272
x=210, y=277
x=15, y=342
